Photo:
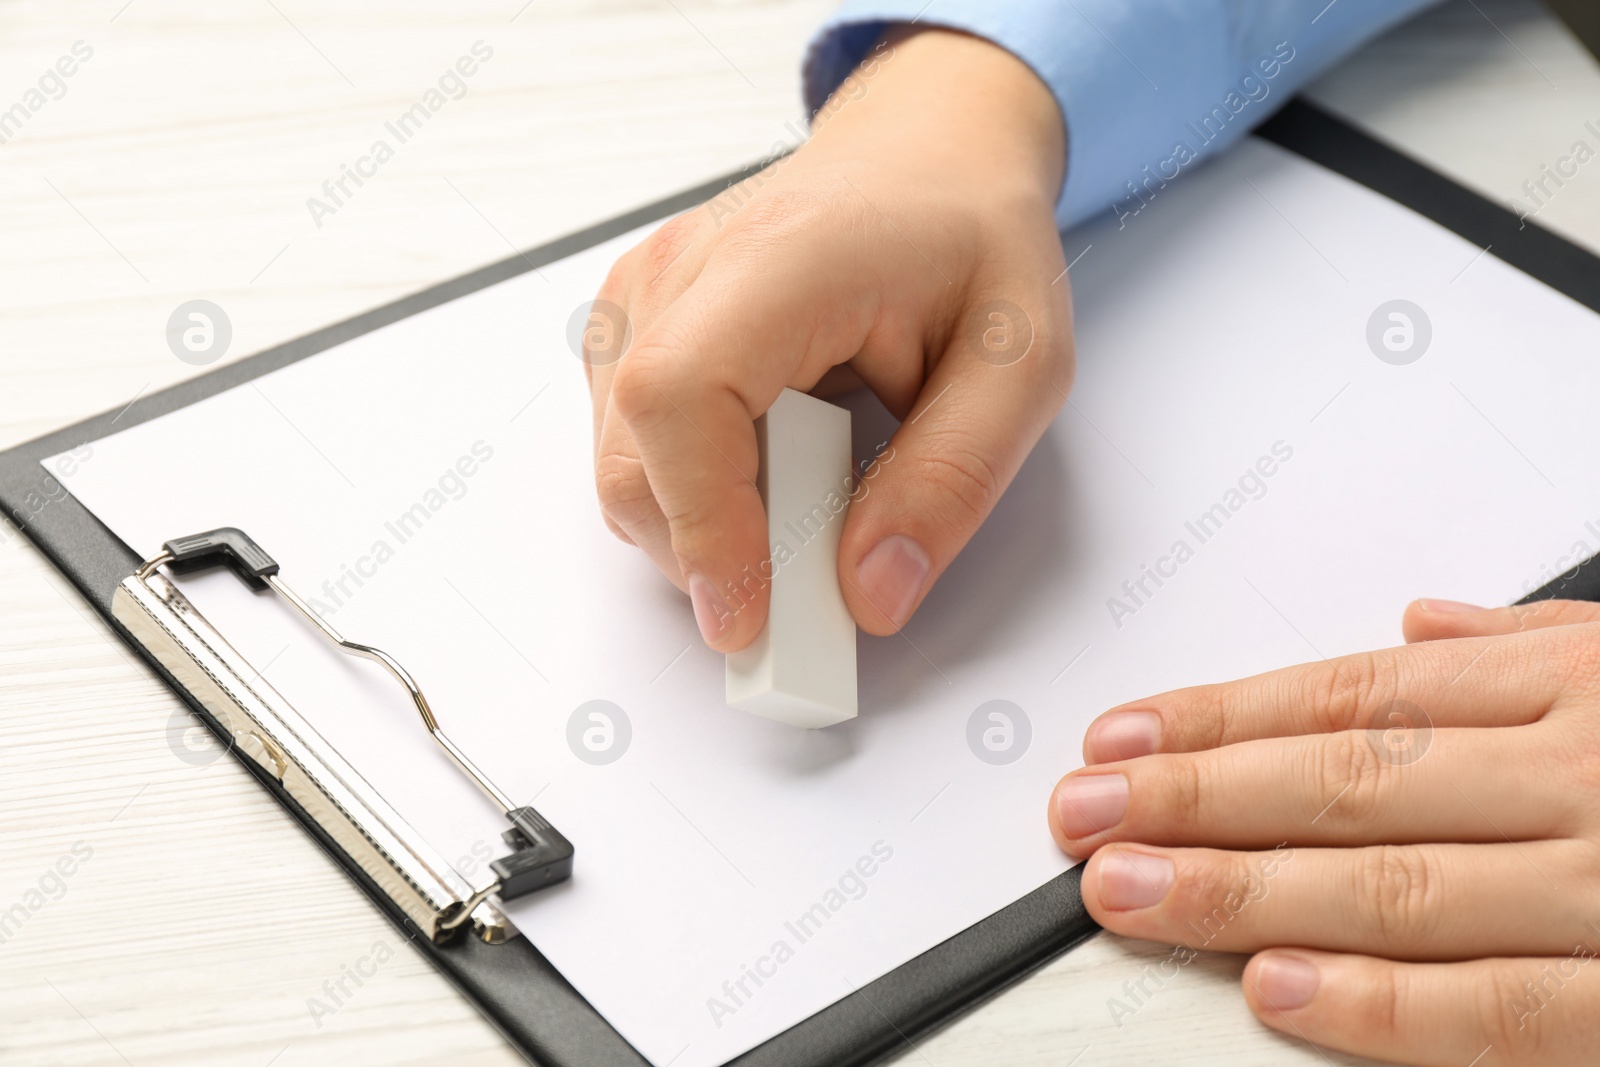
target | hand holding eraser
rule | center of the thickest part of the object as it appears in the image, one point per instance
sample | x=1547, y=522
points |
x=801, y=668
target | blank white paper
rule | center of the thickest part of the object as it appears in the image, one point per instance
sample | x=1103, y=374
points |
x=733, y=875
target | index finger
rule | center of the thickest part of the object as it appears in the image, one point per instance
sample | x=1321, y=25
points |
x=689, y=391
x=1489, y=681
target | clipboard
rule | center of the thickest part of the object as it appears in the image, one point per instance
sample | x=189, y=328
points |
x=510, y=982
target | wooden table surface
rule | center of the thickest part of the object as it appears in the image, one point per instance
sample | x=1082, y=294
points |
x=176, y=163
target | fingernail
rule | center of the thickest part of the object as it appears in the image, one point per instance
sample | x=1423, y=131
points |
x=1091, y=803
x=710, y=613
x=1448, y=606
x=1124, y=735
x=1287, y=982
x=892, y=575
x=1131, y=880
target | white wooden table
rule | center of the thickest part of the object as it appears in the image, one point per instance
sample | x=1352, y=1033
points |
x=176, y=165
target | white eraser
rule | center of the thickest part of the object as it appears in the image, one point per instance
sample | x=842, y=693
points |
x=801, y=669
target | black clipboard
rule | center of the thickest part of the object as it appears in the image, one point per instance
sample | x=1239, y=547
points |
x=514, y=986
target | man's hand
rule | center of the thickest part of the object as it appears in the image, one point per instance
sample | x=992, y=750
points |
x=1408, y=840
x=910, y=245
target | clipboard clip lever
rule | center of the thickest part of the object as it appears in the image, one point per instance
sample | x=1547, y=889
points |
x=540, y=855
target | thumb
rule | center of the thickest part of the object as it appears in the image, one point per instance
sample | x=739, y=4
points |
x=1433, y=620
x=977, y=418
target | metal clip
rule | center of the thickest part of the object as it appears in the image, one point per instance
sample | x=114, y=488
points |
x=284, y=744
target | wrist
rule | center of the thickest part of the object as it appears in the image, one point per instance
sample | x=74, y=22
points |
x=954, y=105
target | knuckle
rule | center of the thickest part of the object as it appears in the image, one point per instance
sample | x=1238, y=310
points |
x=1186, y=790
x=1207, y=714
x=965, y=483
x=1400, y=889
x=1389, y=995
x=1212, y=891
x=1339, y=695
x=624, y=491
x=667, y=246
x=636, y=386
x=1349, y=773
x=693, y=516
x=1511, y=1007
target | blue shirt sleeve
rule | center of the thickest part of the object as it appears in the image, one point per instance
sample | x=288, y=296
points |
x=1146, y=87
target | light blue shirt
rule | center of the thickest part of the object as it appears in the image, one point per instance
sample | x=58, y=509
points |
x=1147, y=87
